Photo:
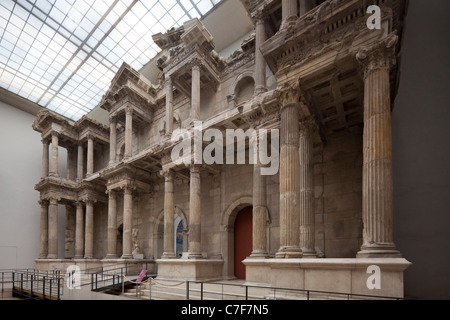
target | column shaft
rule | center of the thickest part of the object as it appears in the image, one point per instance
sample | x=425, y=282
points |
x=307, y=225
x=70, y=233
x=289, y=179
x=195, y=245
x=45, y=158
x=80, y=162
x=54, y=159
x=169, y=211
x=90, y=156
x=306, y=6
x=53, y=229
x=195, y=96
x=128, y=132
x=127, y=223
x=260, y=62
x=79, y=231
x=288, y=11
x=112, y=225
x=89, y=231
x=43, y=249
x=169, y=106
x=377, y=186
x=112, y=141
x=259, y=214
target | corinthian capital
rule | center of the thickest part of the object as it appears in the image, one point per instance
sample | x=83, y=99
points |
x=379, y=55
x=288, y=93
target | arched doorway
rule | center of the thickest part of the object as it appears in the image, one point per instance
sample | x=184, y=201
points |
x=242, y=240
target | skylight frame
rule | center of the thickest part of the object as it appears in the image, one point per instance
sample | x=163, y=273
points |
x=65, y=66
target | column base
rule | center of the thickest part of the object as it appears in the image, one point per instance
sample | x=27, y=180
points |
x=111, y=257
x=52, y=256
x=88, y=257
x=309, y=253
x=168, y=255
x=289, y=253
x=258, y=254
x=194, y=255
x=126, y=256
x=378, y=253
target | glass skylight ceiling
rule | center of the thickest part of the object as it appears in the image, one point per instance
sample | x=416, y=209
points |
x=63, y=54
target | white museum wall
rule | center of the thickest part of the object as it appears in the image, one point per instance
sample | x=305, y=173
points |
x=20, y=170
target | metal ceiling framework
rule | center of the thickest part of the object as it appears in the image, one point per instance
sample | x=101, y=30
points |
x=62, y=54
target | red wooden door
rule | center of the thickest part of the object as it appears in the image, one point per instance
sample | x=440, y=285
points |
x=242, y=240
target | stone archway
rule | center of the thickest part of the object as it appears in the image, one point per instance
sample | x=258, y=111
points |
x=158, y=231
x=228, y=222
x=243, y=240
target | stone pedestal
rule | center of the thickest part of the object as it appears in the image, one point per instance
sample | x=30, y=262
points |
x=190, y=269
x=330, y=275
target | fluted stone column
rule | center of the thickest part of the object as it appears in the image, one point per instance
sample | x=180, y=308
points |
x=289, y=174
x=112, y=141
x=69, y=247
x=169, y=106
x=128, y=132
x=90, y=155
x=260, y=62
x=53, y=229
x=195, y=95
x=54, y=158
x=195, y=245
x=259, y=214
x=288, y=11
x=43, y=249
x=127, y=223
x=80, y=162
x=112, y=225
x=377, y=193
x=306, y=6
x=79, y=231
x=307, y=225
x=89, y=230
x=169, y=211
x=45, y=158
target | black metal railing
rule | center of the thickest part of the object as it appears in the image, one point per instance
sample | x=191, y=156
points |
x=256, y=292
x=32, y=284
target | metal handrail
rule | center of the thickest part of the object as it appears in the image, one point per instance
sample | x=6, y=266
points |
x=308, y=292
x=32, y=284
